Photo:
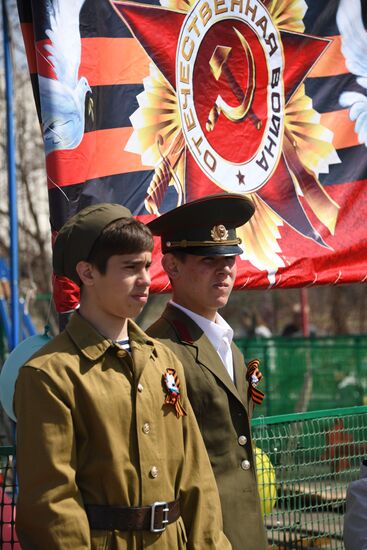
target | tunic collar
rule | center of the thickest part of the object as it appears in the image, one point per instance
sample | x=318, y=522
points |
x=216, y=331
x=93, y=345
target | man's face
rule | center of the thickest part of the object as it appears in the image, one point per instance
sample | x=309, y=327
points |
x=123, y=290
x=203, y=284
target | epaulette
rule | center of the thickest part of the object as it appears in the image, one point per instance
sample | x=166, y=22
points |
x=182, y=331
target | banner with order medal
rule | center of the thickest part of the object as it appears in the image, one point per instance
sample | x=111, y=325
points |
x=155, y=104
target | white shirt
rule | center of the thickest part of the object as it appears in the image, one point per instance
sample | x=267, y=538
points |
x=219, y=334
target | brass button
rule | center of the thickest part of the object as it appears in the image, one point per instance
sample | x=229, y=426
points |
x=140, y=387
x=121, y=353
x=242, y=440
x=154, y=471
x=245, y=465
x=146, y=428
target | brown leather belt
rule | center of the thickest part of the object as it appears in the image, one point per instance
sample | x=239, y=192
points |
x=152, y=518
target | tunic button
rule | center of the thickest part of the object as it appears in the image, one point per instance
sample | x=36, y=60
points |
x=146, y=428
x=140, y=387
x=245, y=464
x=154, y=471
x=242, y=440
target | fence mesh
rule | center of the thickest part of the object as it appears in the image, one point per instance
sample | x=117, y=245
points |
x=304, y=466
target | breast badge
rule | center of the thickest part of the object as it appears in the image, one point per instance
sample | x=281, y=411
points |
x=172, y=386
x=253, y=377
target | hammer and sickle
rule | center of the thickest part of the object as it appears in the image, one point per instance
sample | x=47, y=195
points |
x=219, y=65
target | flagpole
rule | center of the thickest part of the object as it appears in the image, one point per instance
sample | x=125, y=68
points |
x=12, y=189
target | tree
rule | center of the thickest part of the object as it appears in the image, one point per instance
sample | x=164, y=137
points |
x=32, y=204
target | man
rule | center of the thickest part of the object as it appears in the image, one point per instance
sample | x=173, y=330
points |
x=200, y=246
x=109, y=454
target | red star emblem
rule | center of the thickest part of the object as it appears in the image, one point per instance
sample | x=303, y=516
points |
x=233, y=75
x=241, y=178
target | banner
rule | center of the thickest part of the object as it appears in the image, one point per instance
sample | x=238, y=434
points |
x=152, y=105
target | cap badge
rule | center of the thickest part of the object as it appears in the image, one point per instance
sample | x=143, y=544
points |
x=219, y=233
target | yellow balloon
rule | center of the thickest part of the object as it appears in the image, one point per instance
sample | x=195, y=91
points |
x=266, y=481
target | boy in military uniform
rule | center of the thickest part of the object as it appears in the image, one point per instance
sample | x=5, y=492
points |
x=109, y=454
x=200, y=246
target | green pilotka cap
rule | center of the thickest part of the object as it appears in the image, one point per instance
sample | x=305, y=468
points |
x=204, y=227
x=78, y=235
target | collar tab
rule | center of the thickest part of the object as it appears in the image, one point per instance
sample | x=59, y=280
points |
x=183, y=331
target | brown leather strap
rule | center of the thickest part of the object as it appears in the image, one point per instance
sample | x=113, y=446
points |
x=143, y=518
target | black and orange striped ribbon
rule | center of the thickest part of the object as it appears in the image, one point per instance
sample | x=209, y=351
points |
x=253, y=377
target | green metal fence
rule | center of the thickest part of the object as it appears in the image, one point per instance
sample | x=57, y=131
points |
x=306, y=374
x=304, y=467
x=304, y=464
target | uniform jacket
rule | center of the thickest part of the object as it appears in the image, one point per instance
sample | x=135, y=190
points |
x=223, y=412
x=91, y=426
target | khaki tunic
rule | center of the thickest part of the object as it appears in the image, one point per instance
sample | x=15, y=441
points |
x=223, y=412
x=91, y=426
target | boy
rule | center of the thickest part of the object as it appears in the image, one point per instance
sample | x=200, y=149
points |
x=108, y=451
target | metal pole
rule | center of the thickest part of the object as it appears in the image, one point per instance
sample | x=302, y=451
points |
x=13, y=215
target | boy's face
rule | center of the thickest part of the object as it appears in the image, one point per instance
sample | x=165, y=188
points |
x=203, y=284
x=123, y=290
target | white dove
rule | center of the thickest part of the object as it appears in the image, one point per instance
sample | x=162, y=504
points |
x=354, y=48
x=63, y=99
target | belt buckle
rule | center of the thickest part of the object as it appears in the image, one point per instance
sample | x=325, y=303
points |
x=165, y=511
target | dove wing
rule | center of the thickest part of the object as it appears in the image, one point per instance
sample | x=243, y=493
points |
x=60, y=116
x=354, y=36
x=64, y=34
x=57, y=101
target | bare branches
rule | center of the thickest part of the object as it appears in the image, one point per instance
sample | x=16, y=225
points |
x=34, y=233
